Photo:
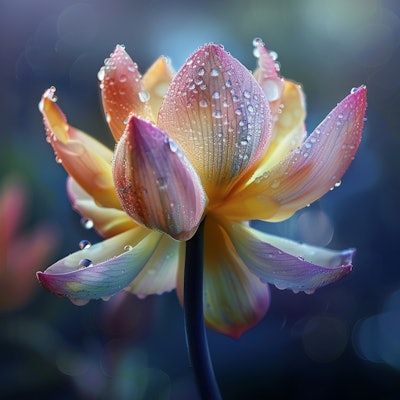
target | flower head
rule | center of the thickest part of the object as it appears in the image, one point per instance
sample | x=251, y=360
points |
x=210, y=143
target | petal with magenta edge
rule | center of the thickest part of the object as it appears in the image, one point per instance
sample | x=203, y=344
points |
x=286, y=263
x=156, y=184
x=103, y=269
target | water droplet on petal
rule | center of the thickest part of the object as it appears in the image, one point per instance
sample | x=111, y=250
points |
x=128, y=247
x=87, y=223
x=203, y=103
x=84, y=244
x=85, y=263
x=144, y=96
x=79, y=302
x=101, y=74
x=214, y=72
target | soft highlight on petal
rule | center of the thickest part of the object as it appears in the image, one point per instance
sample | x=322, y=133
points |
x=84, y=158
x=122, y=91
x=103, y=269
x=155, y=182
x=217, y=113
x=285, y=263
x=234, y=298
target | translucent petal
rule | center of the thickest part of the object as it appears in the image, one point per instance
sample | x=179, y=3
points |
x=160, y=273
x=122, y=91
x=156, y=184
x=217, y=113
x=107, y=222
x=234, y=299
x=156, y=81
x=285, y=263
x=84, y=158
x=311, y=170
x=103, y=269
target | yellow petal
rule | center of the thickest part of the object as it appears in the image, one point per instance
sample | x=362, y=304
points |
x=122, y=91
x=107, y=222
x=234, y=299
x=159, y=275
x=156, y=81
x=84, y=158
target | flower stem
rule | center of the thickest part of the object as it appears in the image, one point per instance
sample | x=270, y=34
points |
x=194, y=318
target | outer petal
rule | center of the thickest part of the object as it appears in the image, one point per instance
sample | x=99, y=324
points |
x=122, y=91
x=308, y=172
x=156, y=81
x=160, y=273
x=102, y=269
x=156, y=184
x=107, y=222
x=84, y=158
x=288, y=264
x=234, y=298
x=217, y=113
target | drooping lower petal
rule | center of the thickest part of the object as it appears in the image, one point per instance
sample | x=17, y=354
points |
x=156, y=184
x=83, y=157
x=160, y=273
x=107, y=222
x=217, y=113
x=285, y=263
x=102, y=269
x=234, y=299
x=310, y=171
x=122, y=91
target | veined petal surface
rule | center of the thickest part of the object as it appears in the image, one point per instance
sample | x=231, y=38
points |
x=285, y=263
x=217, y=113
x=310, y=171
x=122, y=91
x=155, y=182
x=83, y=157
x=103, y=269
x=234, y=298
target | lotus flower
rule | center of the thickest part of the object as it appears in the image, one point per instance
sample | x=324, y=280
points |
x=211, y=144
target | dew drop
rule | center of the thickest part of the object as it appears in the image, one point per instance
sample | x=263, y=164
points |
x=101, y=74
x=122, y=78
x=172, y=146
x=79, y=302
x=144, y=96
x=217, y=114
x=85, y=263
x=271, y=89
x=203, y=103
x=216, y=95
x=257, y=41
x=84, y=244
x=353, y=90
x=201, y=71
x=58, y=160
x=214, y=72
x=128, y=247
x=87, y=223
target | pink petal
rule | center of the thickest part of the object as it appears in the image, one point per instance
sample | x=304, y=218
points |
x=122, y=91
x=217, y=113
x=285, y=263
x=313, y=169
x=156, y=184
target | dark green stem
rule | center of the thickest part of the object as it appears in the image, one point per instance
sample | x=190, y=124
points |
x=194, y=318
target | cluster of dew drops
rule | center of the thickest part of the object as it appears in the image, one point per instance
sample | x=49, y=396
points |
x=110, y=63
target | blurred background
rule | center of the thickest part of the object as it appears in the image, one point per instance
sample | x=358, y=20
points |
x=340, y=342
